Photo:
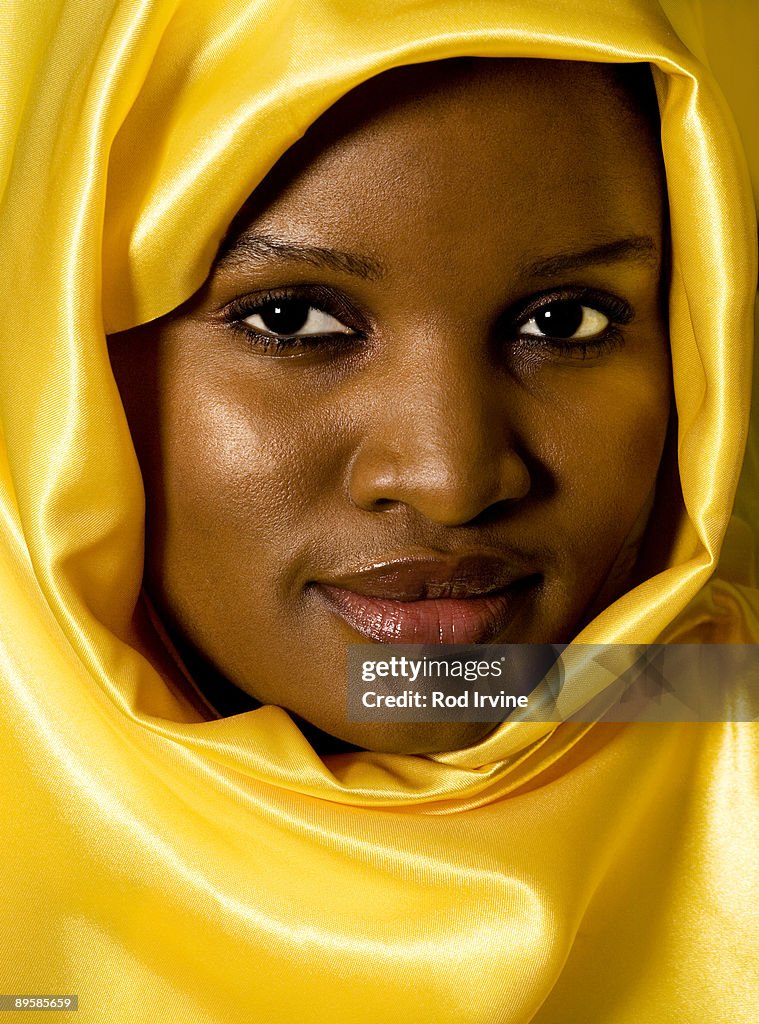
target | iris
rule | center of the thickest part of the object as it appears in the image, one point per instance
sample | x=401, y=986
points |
x=561, y=320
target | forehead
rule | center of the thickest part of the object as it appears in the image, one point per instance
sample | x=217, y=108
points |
x=469, y=152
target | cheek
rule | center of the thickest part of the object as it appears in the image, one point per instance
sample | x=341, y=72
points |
x=231, y=462
x=245, y=474
x=608, y=462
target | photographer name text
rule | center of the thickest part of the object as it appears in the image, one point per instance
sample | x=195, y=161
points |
x=438, y=699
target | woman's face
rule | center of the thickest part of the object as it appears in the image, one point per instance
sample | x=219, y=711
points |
x=424, y=392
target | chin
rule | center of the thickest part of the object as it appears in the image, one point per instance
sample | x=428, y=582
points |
x=413, y=737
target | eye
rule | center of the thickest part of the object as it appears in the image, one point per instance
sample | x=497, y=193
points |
x=566, y=320
x=573, y=322
x=293, y=318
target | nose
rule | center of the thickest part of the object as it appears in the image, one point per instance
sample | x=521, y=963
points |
x=440, y=438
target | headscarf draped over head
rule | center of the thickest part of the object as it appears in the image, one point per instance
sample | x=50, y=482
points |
x=159, y=864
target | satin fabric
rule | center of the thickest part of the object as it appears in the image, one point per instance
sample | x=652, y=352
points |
x=167, y=865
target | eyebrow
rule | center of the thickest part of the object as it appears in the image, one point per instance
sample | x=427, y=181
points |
x=249, y=248
x=638, y=248
x=263, y=249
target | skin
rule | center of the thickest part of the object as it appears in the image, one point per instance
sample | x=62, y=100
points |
x=439, y=423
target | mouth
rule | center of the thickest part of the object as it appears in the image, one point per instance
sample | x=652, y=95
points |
x=443, y=600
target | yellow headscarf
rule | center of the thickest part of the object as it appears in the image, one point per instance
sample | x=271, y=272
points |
x=167, y=867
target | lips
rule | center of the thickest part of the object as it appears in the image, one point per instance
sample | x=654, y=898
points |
x=463, y=600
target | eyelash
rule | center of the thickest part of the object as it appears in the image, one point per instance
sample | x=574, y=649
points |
x=616, y=309
x=323, y=299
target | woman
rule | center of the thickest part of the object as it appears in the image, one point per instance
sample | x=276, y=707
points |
x=416, y=444
x=221, y=867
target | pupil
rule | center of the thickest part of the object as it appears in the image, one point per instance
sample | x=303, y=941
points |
x=560, y=320
x=284, y=316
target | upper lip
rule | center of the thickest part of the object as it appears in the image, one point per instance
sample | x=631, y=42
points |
x=441, y=576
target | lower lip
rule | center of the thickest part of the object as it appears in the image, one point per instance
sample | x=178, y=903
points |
x=474, y=620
